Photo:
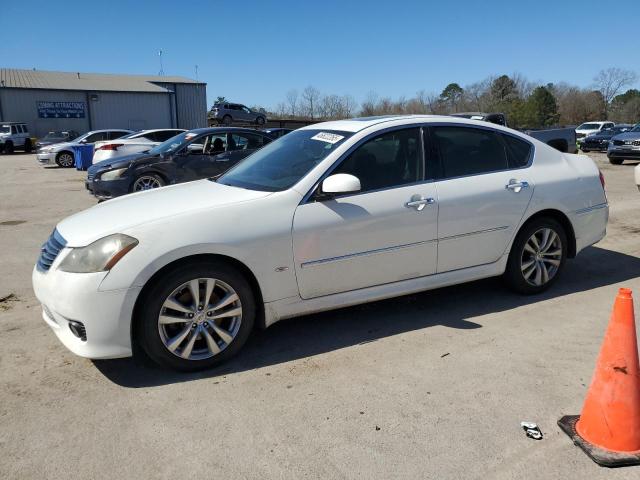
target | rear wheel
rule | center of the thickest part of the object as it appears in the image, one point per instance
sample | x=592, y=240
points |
x=147, y=182
x=616, y=161
x=537, y=256
x=196, y=316
x=65, y=159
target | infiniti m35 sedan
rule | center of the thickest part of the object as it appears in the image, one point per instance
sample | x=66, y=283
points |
x=330, y=215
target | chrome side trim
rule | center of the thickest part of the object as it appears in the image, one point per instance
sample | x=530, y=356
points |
x=590, y=209
x=488, y=230
x=325, y=261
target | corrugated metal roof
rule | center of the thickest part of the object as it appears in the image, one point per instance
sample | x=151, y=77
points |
x=16, y=78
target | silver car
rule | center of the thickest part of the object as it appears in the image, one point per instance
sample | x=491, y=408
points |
x=61, y=154
x=228, y=113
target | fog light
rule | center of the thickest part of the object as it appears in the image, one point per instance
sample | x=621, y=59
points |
x=77, y=328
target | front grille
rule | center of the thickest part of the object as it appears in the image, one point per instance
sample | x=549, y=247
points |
x=50, y=251
x=618, y=142
x=580, y=135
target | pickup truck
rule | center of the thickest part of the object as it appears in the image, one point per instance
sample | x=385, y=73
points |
x=563, y=139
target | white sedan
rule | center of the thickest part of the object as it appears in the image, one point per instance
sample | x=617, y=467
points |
x=330, y=215
x=137, y=142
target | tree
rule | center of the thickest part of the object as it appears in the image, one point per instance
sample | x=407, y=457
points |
x=542, y=108
x=221, y=99
x=451, y=96
x=503, y=89
x=292, y=101
x=626, y=107
x=310, y=97
x=609, y=82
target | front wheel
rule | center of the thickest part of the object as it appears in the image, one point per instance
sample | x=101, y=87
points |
x=616, y=161
x=8, y=148
x=196, y=316
x=147, y=182
x=65, y=159
x=537, y=256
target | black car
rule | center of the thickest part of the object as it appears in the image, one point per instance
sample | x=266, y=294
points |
x=58, y=136
x=192, y=155
x=599, y=142
x=277, y=132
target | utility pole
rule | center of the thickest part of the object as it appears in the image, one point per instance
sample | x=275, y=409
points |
x=161, y=72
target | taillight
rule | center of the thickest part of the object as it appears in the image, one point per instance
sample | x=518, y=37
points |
x=602, y=180
x=110, y=146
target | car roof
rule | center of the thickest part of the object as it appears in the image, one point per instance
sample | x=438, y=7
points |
x=199, y=131
x=111, y=130
x=358, y=124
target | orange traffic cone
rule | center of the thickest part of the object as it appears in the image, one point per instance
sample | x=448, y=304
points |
x=608, y=430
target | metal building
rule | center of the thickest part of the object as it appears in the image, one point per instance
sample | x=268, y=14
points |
x=48, y=101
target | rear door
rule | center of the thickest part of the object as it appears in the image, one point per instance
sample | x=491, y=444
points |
x=484, y=188
x=242, y=145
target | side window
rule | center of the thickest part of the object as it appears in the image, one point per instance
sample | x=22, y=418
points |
x=246, y=141
x=114, y=135
x=214, y=144
x=469, y=151
x=388, y=160
x=14, y=129
x=96, y=137
x=166, y=135
x=518, y=151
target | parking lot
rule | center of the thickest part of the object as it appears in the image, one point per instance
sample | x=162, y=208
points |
x=432, y=385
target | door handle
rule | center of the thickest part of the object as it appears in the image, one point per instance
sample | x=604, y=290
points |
x=516, y=185
x=418, y=202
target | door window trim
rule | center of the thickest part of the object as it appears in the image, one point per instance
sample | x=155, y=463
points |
x=438, y=157
x=308, y=198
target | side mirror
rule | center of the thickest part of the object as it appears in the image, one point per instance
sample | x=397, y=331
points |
x=339, y=183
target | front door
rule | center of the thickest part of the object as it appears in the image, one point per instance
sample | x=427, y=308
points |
x=372, y=237
x=206, y=156
x=484, y=189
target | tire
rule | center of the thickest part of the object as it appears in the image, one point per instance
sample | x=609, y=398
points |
x=27, y=145
x=147, y=181
x=8, y=148
x=227, y=120
x=616, y=161
x=192, y=335
x=260, y=120
x=527, y=265
x=65, y=159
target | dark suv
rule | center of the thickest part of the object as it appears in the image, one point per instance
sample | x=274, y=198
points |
x=228, y=113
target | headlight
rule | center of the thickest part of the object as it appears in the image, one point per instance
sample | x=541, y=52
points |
x=112, y=174
x=100, y=256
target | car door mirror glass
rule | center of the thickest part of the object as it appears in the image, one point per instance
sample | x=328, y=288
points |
x=339, y=183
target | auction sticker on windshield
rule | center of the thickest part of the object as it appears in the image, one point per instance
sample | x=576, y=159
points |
x=327, y=137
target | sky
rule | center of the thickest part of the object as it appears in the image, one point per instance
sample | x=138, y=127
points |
x=254, y=52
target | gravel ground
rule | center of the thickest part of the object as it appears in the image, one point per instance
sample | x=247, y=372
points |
x=432, y=385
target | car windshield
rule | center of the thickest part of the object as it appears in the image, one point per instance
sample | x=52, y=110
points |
x=589, y=126
x=5, y=129
x=635, y=129
x=172, y=144
x=283, y=162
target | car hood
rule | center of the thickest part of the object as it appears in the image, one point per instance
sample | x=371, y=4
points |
x=120, y=162
x=627, y=136
x=56, y=147
x=120, y=214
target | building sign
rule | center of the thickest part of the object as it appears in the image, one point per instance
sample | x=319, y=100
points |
x=61, y=109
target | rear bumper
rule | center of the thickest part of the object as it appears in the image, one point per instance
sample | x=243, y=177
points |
x=590, y=225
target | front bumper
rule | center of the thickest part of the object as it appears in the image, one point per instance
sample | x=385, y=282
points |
x=106, y=190
x=618, y=152
x=48, y=158
x=106, y=315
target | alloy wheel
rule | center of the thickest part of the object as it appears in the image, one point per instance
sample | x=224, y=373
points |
x=146, y=183
x=65, y=160
x=541, y=257
x=200, y=318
